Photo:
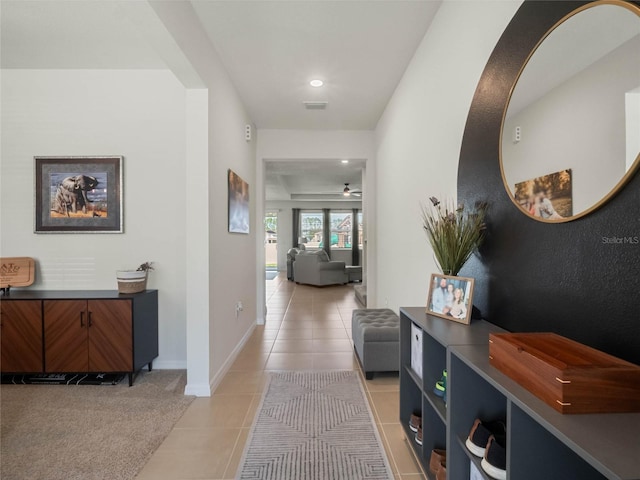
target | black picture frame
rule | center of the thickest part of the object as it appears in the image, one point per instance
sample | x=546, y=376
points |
x=78, y=194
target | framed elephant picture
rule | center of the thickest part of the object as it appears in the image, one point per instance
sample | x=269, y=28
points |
x=78, y=195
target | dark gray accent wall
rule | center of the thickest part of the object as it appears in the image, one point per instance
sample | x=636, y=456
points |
x=533, y=276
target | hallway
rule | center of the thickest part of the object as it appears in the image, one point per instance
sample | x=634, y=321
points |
x=307, y=328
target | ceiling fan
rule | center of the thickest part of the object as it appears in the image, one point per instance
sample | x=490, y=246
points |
x=347, y=192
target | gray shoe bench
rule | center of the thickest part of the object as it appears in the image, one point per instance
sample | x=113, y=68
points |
x=376, y=339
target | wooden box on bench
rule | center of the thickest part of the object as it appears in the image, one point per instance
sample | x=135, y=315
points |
x=567, y=375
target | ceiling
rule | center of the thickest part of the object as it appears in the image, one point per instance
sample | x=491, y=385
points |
x=271, y=50
x=66, y=34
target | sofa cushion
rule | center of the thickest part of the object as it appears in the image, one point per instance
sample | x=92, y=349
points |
x=335, y=265
x=322, y=256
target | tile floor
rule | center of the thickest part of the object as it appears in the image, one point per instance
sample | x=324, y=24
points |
x=307, y=328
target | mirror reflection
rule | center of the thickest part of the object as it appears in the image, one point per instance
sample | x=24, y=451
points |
x=571, y=132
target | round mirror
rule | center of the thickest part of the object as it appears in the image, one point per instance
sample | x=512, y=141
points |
x=571, y=131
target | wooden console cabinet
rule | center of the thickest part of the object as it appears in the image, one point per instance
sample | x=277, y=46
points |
x=21, y=337
x=79, y=331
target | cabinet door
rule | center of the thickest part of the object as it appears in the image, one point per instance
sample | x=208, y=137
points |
x=65, y=336
x=110, y=336
x=21, y=337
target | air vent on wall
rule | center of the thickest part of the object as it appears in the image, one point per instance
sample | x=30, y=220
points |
x=309, y=105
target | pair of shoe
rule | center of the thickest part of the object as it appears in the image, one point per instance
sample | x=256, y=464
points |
x=488, y=441
x=440, y=388
x=438, y=463
x=415, y=425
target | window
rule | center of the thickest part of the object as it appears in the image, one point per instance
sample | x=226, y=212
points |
x=271, y=227
x=341, y=229
x=311, y=225
x=340, y=232
x=271, y=240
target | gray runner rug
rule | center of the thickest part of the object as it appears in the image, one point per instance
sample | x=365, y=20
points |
x=314, y=426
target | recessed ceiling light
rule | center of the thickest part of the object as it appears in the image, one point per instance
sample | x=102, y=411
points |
x=344, y=161
x=316, y=83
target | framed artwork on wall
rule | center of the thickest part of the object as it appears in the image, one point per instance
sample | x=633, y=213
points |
x=451, y=297
x=78, y=194
x=238, y=204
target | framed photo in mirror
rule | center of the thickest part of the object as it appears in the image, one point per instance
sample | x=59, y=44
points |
x=548, y=197
x=451, y=297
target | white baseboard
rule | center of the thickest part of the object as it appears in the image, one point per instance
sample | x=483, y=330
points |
x=217, y=378
x=200, y=390
x=170, y=364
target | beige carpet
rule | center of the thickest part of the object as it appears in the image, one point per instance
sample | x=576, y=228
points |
x=85, y=432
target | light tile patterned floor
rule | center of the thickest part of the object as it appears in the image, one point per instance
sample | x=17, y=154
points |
x=306, y=328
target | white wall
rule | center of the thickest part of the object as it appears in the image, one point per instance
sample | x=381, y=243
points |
x=229, y=260
x=137, y=114
x=419, y=137
x=313, y=144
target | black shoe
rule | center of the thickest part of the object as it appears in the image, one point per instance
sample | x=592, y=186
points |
x=479, y=435
x=494, y=462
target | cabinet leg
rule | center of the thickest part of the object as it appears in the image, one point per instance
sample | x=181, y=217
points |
x=368, y=375
x=131, y=379
x=150, y=365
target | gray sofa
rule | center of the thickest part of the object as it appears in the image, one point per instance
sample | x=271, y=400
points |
x=315, y=268
x=291, y=257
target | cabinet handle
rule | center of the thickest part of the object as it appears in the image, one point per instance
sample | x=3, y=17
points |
x=81, y=319
x=90, y=322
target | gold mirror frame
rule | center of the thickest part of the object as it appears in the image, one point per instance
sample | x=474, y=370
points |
x=630, y=171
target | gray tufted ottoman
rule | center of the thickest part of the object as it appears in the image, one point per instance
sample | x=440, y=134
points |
x=376, y=338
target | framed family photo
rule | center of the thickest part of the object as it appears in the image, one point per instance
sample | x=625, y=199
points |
x=451, y=297
x=78, y=195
